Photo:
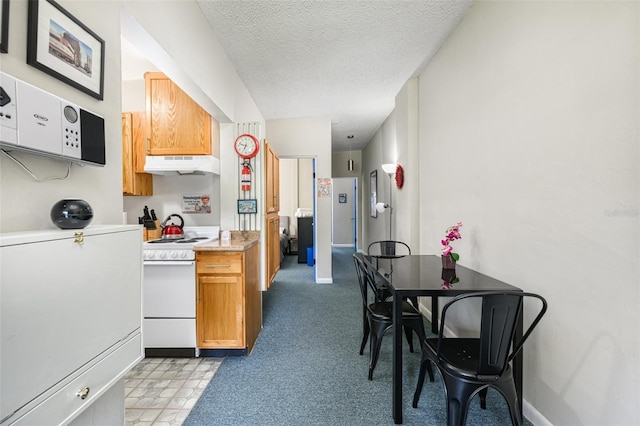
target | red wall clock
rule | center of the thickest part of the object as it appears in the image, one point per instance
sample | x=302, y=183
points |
x=399, y=176
x=246, y=146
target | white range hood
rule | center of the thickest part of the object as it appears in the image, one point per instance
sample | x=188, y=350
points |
x=182, y=165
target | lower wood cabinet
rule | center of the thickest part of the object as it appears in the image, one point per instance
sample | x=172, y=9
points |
x=273, y=247
x=228, y=299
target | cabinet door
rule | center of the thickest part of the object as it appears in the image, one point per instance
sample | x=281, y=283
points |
x=252, y=296
x=134, y=180
x=220, y=311
x=273, y=247
x=272, y=177
x=176, y=125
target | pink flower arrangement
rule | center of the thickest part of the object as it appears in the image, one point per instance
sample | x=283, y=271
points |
x=452, y=234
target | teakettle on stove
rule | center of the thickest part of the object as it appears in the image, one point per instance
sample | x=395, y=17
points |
x=171, y=231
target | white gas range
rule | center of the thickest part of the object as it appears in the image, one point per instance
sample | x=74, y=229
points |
x=169, y=292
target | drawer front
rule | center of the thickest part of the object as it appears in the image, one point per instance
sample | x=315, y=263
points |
x=215, y=263
x=64, y=405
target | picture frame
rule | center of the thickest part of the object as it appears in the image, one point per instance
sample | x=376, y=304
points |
x=373, y=191
x=342, y=198
x=63, y=47
x=4, y=26
x=249, y=206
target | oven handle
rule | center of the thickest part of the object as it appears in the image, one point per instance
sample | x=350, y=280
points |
x=169, y=262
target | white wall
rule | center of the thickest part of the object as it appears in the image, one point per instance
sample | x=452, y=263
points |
x=381, y=149
x=25, y=203
x=289, y=190
x=528, y=133
x=530, y=111
x=203, y=71
x=310, y=137
x=339, y=169
x=305, y=183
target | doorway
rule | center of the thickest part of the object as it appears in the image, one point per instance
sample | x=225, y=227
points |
x=344, y=212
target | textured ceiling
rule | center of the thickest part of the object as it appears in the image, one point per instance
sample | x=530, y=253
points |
x=346, y=60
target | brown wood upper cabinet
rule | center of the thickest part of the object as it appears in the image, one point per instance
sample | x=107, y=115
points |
x=176, y=124
x=134, y=180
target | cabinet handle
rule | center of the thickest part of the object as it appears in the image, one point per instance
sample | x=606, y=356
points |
x=146, y=144
x=83, y=393
x=197, y=291
x=217, y=266
x=79, y=238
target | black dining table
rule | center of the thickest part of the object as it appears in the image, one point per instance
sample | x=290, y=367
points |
x=423, y=275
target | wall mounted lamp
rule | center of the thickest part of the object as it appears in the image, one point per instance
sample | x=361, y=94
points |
x=389, y=169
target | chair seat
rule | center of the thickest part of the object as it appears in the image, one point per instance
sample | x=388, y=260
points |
x=384, y=310
x=459, y=357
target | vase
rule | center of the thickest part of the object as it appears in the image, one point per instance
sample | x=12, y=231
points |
x=448, y=262
x=71, y=214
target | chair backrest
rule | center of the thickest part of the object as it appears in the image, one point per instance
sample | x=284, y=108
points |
x=365, y=277
x=499, y=317
x=388, y=249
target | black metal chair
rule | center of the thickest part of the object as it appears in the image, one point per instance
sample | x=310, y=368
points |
x=470, y=365
x=378, y=316
x=389, y=249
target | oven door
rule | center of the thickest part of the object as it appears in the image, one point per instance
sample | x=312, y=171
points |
x=169, y=304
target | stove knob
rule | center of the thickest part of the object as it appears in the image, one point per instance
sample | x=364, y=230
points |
x=173, y=254
x=162, y=255
x=148, y=255
x=183, y=254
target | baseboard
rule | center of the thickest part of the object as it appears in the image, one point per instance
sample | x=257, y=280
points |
x=341, y=245
x=170, y=352
x=533, y=415
x=324, y=280
x=528, y=410
x=216, y=353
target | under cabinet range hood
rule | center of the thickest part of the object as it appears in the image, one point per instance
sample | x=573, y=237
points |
x=173, y=165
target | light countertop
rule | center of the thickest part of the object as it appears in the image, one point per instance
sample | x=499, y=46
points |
x=240, y=241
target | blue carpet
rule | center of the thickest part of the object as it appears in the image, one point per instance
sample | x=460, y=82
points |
x=306, y=370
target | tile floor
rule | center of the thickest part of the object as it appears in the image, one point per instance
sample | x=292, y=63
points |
x=162, y=391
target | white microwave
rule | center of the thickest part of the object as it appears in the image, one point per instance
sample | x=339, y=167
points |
x=39, y=122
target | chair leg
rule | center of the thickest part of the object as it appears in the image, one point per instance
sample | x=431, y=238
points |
x=365, y=336
x=425, y=365
x=508, y=391
x=458, y=395
x=414, y=301
x=483, y=398
x=409, y=333
x=376, y=343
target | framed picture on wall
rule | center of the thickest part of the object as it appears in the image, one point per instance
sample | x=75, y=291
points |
x=248, y=206
x=63, y=47
x=373, y=191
